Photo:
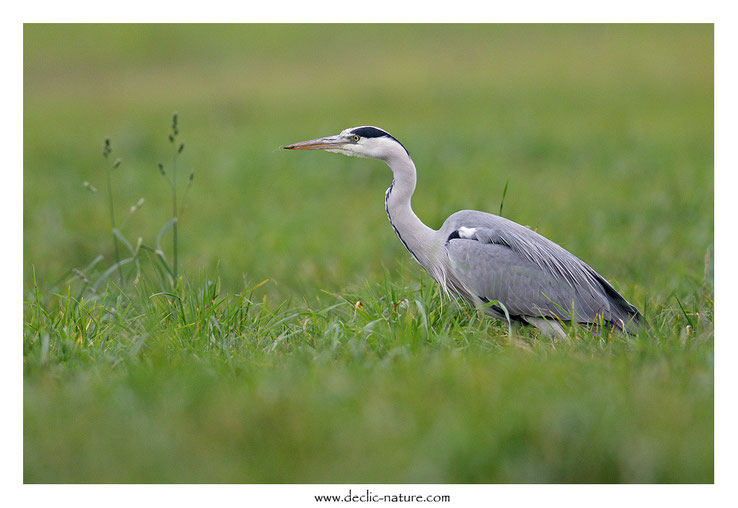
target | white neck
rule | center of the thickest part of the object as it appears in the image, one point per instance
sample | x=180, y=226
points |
x=416, y=236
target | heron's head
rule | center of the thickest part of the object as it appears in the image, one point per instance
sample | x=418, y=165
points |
x=364, y=141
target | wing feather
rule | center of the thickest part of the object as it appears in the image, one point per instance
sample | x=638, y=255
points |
x=501, y=260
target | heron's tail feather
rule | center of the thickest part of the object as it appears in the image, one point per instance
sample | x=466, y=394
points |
x=623, y=314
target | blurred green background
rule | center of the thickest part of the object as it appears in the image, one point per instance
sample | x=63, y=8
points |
x=604, y=133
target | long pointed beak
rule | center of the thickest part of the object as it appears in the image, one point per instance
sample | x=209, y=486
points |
x=318, y=144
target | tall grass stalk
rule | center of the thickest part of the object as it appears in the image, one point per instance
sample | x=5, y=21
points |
x=176, y=205
x=504, y=193
x=175, y=210
x=107, y=149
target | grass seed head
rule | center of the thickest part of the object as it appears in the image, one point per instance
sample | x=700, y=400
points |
x=81, y=275
x=175, y=130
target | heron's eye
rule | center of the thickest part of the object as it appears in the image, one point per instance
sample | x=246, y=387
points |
x=355, y=137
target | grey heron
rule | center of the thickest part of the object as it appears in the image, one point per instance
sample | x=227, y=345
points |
x=507, y=270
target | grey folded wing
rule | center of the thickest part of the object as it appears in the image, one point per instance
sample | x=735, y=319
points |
x=496, y=259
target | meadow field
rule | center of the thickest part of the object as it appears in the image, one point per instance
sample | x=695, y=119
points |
x=296, y=341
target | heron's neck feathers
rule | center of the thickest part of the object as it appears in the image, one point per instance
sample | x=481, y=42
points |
x=416, y=236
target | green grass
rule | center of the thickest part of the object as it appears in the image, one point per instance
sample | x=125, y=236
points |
x=347, y=365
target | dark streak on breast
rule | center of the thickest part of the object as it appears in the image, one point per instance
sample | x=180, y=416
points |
x=386, y=208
